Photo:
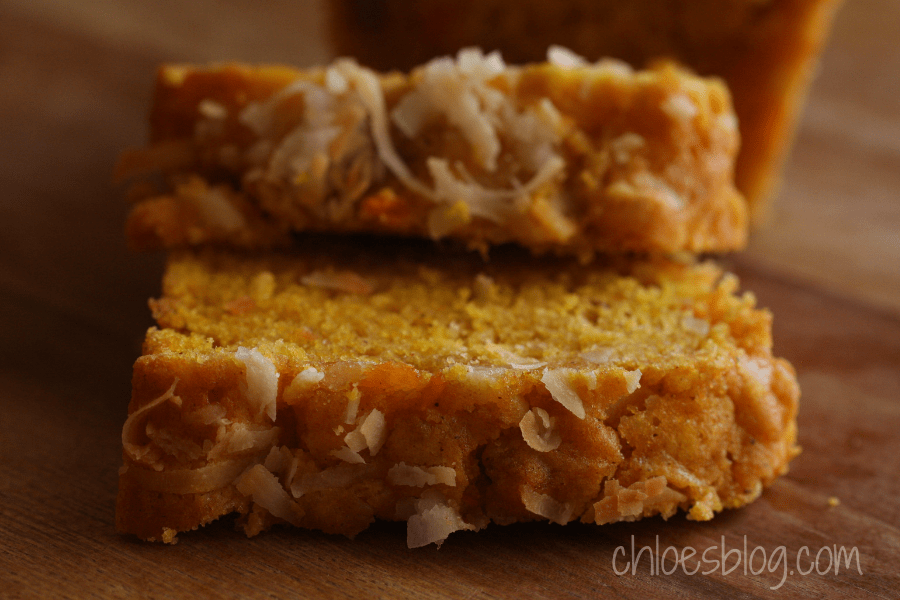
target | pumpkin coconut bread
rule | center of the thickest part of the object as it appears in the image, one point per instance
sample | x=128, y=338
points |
x=767, y=51
x=563, y=156
x=352, y=380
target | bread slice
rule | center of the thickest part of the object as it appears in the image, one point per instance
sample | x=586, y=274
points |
x=563, y=156
x=766, y=50
x=355, y=380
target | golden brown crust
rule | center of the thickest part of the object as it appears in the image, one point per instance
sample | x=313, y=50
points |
x=766, y=50
x=571, y=159
x=608, y=393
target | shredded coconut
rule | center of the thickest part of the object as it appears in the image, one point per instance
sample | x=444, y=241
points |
x=434, y=520
x=347, y=455
x=632, y=380
x=538, y=430
x=374, y=431
x=459, y=90
x=598, y=357
x=356, y=441
x=565, y=58
x=131, y=431
x=545, y=506
x=265, y=490
x=411, y=475
x=261, y=380
x=558, y=383
x=514, y=360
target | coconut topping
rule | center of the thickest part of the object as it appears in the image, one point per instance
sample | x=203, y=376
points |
x=558, y=383
x=261, y=380
x=434, y=520
x=265, y=490
x=374, y=431
x=411, y=475
x=632, y=380
x=538, y=430
x=545, y=506
x=565, y=58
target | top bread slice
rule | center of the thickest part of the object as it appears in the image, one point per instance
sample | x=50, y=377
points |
x=766, y=50
x=565, y=156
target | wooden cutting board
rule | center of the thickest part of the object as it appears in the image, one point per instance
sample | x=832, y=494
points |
x=75, y=81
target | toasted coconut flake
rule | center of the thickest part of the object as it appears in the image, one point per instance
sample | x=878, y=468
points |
x=514, y=360
x=443, y=475
x=368, y=88
x=309, y=375
x=598, y=357
x=374, y=430
x=341, y=281
x=564, y=58
x=239, y=439
x=131, y=432
x=411, y=475
x=265, y=490
x=538, y=430
x=348, y=455
x=484, y=375
x=545, y=506
x=559, y=383
x=202, y=480
x=632, y=380
x=641, y=498
x=434, y=520
x=206, y=415
x=458, y=90
x=302, y=383
x=278, y=460
x=356, y=441
x=261, y=382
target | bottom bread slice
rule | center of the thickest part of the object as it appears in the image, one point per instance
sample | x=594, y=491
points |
x=344, y=383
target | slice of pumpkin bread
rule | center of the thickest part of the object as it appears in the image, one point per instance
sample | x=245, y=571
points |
x=364, y=379
x=565, y=156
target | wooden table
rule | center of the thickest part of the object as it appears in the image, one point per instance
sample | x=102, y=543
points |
x=75, y=81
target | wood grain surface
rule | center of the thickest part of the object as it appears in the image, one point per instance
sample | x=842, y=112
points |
x=75, y=82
